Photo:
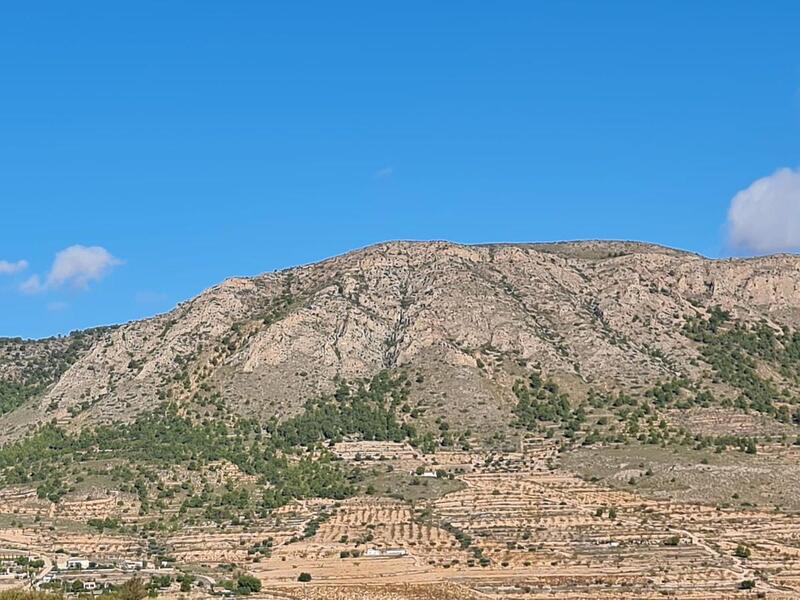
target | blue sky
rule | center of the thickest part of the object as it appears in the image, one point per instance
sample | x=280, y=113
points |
x=192, y=141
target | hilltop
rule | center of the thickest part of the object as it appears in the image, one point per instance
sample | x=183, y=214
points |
x=425, y=420
x=467, y=320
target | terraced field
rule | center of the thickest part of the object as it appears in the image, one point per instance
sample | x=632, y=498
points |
x=522, y=525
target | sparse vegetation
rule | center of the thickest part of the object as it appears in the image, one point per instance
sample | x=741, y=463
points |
x=648, y=433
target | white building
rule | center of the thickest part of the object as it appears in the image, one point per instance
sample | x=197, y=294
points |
x=387, y=552
x=77, y=563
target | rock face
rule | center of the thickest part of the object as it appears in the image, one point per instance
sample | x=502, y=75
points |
x=464, y=319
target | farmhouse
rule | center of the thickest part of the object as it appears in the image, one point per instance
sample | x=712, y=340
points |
x=78, y=564
x=386, y=552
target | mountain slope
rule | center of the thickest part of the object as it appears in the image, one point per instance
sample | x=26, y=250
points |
x=466, y=321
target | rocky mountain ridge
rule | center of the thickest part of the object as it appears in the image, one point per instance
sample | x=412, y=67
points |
x=465, y=320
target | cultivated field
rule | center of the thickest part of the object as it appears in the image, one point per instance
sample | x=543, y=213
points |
x=522, y=525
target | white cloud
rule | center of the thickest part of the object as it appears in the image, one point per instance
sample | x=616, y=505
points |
x=9, y=268
x=765, y=217
x=384, y=172
x=76, y=266
x=32, y=285
x=80, y=265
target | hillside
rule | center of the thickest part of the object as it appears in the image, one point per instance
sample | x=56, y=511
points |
x=29, y=368
x=466, y=320
x=605, y=419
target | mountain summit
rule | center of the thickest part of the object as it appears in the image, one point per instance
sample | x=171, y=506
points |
x=466, y=320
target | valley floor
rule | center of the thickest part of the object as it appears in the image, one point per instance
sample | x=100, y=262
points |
x=518, y=526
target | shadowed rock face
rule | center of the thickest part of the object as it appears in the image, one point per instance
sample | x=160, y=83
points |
x=463, y=319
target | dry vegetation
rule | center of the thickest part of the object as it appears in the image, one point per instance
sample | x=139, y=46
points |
x=426, y=422
x=521, y=526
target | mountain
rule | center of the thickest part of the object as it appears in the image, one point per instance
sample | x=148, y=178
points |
x=423, y=420
x=467, y=321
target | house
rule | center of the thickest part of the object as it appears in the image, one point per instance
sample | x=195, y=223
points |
x=430, y=474
x=77, y=564
x=386, y=552
x=89, y=586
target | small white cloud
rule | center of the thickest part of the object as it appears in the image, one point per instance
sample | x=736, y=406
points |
x=9, y=268
x=384, y=172
x=765, y=217
x=76, y=266
x=79, y=265
x=32, y=285
x=57, y=306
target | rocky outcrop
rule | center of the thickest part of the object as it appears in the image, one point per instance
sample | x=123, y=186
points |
x=462, y=318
